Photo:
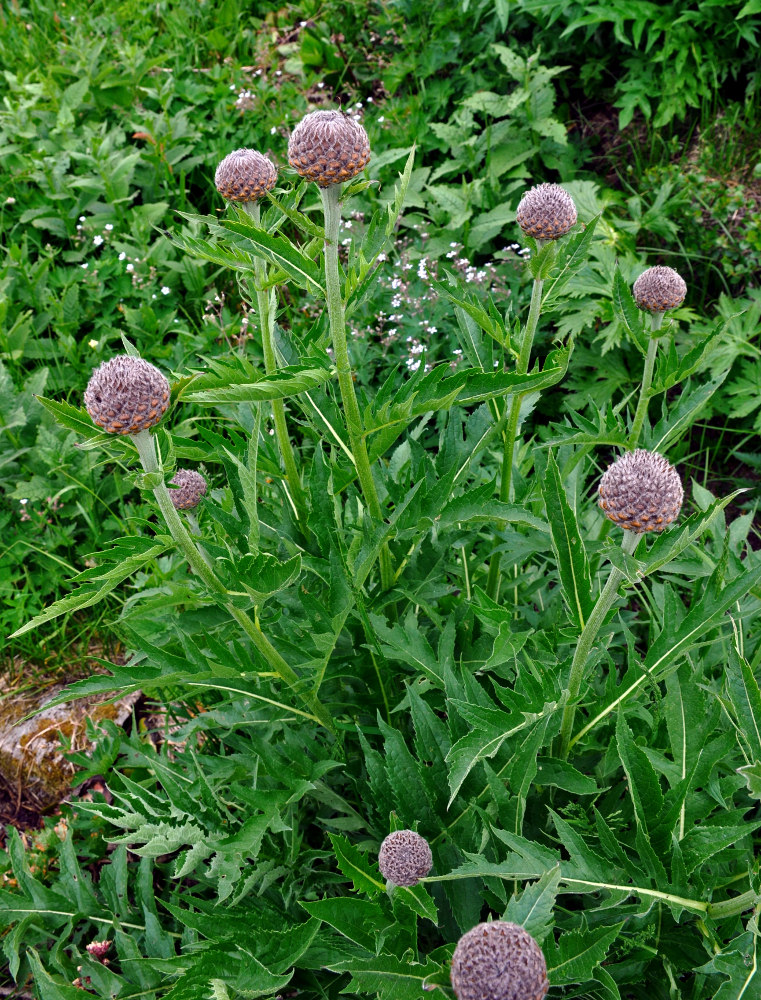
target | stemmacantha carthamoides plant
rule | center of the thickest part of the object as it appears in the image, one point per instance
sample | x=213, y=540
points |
x=336, y=622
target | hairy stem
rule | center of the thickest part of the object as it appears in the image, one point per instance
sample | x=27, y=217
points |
x=146, y=447
x=267, y=326
x=337, y=317
x=647, y=381
x=586, y=641
x=511, y=431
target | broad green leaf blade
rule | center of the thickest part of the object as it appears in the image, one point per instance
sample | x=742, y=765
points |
x=573, y=565
x=284, y=383
x=627, y=312
x=356, y=866
x=578, y=953
x=360, y=920
x=75, y=418
x=745, y=696
x=390, y=977
x=571, y=257
x=643, y=785
x=133, y=552
x=281, y=252
x=533, y=909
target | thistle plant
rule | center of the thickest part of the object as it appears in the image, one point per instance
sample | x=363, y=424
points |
x=498, y=961
x=656, y=290
x=128, y=395
x=546, y=212
x=244, y=177
x=328, y=147
x=641, y=492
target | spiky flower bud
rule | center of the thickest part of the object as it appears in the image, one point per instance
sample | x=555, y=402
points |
x=245, y=175
x=189, y=491
x=659, y=288
x=126, y=395
x=546, y=212
x=498, y=961
x=641, y=491
x=328, y=147
x=404, y=857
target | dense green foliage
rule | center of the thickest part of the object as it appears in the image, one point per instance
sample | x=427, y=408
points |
x=323, y=673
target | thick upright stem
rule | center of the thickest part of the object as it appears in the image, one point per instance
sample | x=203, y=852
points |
x=587, y=639
x=267, y=326
x=647, y=381
x=336, y=315
x=146, y=448
x=511, y=431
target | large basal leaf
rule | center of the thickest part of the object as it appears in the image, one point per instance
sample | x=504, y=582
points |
x=571, y=555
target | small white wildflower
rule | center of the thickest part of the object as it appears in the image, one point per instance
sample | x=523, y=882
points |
x=381, y=257
x=130, y=267
x=346, y=242
x=122, y=255
x=92, y=343
x=165, y=290
x=97, y=240
x=432, y=329
x=320, y=85
x=454, y=244
x=153, y=296
x=348, y=224
x=302, y=24
x=273, y=130
x=392, y=331
x=109, y=226
x=10, y=200
x=84, y=266
x=369, y=100
x=381, y=119
x=25, y=500
x=278, y=72
x=232, y=86
x=82, y=218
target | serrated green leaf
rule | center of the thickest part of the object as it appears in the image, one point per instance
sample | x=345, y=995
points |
x=745, y=696
x=643, y=784
x=627, y=312
x=573, y=565
x=286, y=382
x=418, y=900
x=390, y=977
x=132, y=552
x=578, y=953
x=356, y=866
x=572, y=255
x=533, y=909
x=360, y=920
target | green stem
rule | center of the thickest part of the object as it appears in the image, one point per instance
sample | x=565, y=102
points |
x=586, y=641
x=267, y=326
x=337, y=317
x=506, y=480
x=647, y=381
x=146, y=448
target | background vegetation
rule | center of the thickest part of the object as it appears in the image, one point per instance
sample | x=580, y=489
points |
x=113, y=120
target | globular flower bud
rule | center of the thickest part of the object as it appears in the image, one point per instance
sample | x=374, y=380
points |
x=659, y=288
x=546, y=212
x=126, y=395
x=190, y=489
x=498, y=961
x=641, y=492
x=404, y=857
x=245, y=175
x=328, y=147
